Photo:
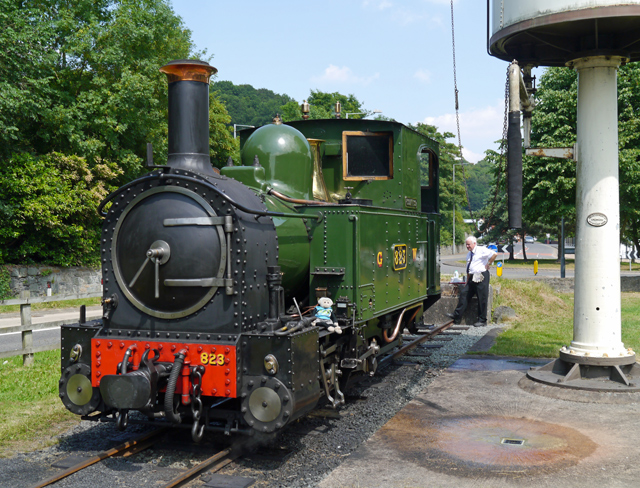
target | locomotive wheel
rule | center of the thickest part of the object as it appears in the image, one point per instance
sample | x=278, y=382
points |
x=76, y=391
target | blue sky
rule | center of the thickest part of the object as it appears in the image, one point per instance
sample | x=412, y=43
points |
x=395, y=56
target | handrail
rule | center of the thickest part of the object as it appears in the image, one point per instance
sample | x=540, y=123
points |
x=170, y=176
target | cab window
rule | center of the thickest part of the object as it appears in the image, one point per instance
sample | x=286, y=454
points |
x=367, y=155
x=426, y=159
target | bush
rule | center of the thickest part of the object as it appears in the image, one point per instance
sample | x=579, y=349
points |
x=5, y=283
x=48, y=208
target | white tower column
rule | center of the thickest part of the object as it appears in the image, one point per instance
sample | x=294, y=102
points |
x=597, y=316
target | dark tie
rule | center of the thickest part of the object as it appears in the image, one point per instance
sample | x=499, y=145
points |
x=469, y=263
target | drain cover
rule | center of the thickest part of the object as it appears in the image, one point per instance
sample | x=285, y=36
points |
x=513, y=442
x=491, y=445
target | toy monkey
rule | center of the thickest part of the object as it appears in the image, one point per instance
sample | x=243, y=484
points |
x=325, y=317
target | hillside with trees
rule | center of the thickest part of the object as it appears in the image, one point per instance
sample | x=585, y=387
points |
x=248, y=105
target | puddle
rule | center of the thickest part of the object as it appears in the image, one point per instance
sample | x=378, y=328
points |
x=496, y=364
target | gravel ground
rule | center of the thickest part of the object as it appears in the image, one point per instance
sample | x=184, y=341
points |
x=304, y=454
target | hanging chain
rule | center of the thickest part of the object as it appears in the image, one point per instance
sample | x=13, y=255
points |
x=455, y=85
x=502, y=161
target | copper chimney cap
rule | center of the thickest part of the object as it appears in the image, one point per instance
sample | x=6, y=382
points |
x=188, y=70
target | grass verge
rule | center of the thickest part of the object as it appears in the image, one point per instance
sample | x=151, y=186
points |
x=544, y=320
x=53, y=305
x=30, y=409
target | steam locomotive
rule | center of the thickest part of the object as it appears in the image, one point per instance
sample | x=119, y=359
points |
x=210, y=276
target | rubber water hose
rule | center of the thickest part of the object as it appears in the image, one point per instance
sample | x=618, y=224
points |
x=171, y=388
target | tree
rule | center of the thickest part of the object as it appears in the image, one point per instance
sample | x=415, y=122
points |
x=80, y=96
x=82, y=78
x=550, y=184
x=479, y=183
x=494, y=215
x=222, y=145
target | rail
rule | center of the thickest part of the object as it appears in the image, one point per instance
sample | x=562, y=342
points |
x=26, y=327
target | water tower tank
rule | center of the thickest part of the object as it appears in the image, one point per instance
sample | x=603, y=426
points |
x=552, y=32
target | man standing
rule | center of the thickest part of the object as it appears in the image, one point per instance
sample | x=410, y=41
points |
x=479, y=260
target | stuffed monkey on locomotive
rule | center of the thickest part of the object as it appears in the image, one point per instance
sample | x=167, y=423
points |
x=209, y=275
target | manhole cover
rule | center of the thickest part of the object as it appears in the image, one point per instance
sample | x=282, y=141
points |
x=491, y=445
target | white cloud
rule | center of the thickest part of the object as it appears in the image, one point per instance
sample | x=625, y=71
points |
x=398, y=13
x=335, y=74
x=377, y=4
x=479, y=128
x=471, y=156
x=423, y=75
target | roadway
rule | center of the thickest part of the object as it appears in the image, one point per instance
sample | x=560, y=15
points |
x=535, y=250
x=49, y=336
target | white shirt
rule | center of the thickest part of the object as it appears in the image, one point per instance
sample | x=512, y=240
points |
x=479, y=259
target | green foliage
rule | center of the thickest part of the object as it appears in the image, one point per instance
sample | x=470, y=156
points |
x=629, y=155
x=495, y=225
x=247, y=105
x=48, y=208
x=549, y=184
x=80, y=96
x=82, y=77
x=479, y=178
x=5, y=283
x=222, y=146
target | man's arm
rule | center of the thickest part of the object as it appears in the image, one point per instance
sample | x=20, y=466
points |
x=491, y=260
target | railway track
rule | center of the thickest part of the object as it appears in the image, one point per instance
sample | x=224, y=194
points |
x=221, y=458
x=422, y=337
x=140, y=443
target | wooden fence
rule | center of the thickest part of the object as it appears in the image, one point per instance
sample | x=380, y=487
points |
x=27, y=328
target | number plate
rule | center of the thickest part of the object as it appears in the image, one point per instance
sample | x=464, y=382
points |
x=399, y=256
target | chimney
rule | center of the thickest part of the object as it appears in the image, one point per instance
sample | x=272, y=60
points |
x=189, y=114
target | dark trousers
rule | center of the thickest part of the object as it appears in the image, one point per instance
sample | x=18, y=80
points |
x=466, y=294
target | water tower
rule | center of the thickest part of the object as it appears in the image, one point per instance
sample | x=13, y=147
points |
x=593, y=37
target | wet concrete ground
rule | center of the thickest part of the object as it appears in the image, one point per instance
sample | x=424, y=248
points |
x=475, y=427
